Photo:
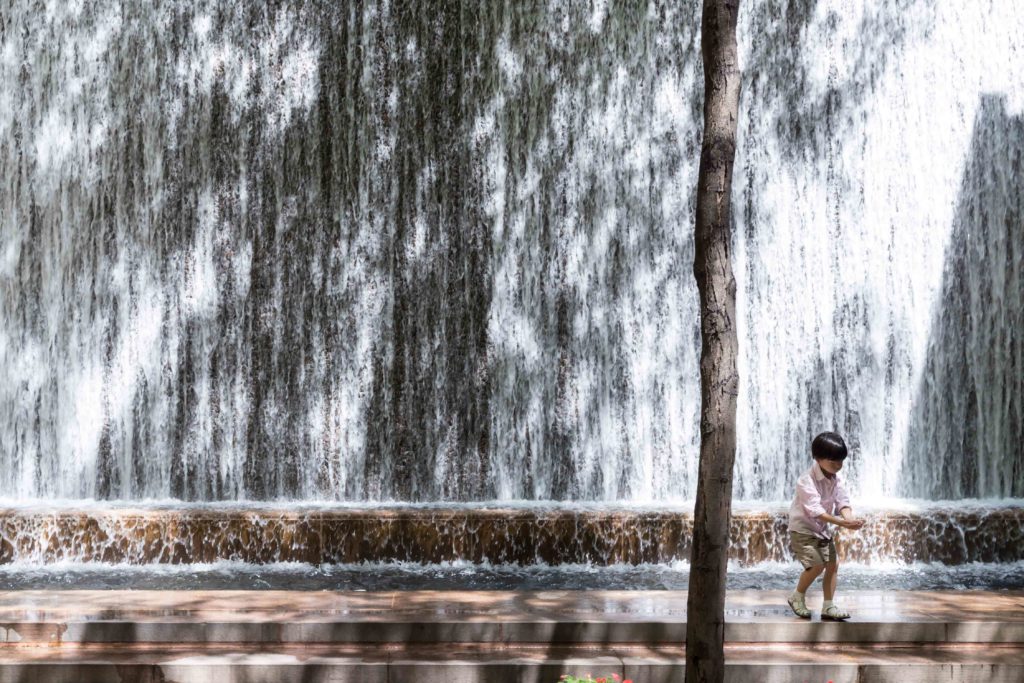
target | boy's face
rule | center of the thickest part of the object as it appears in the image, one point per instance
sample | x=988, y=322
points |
x=830, y=467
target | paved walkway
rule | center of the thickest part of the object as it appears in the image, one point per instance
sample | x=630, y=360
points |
x=484, y=636
x=493, y=606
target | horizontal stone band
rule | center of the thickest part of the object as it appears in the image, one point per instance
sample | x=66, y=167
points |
x=513, y=536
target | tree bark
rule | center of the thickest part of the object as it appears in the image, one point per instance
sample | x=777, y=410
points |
x=712, y=268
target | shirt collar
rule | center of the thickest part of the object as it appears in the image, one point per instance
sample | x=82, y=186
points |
x=818, y=474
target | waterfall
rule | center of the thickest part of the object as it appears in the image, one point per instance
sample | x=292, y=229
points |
x=424, y=251
x=867, y=129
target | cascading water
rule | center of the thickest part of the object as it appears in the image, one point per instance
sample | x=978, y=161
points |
x=435, y=251
x=879, y=244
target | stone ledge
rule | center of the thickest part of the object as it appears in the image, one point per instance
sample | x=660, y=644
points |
x=499, y=536
x=538, y=665
x=500, y=633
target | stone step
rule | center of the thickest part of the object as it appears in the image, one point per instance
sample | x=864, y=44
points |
x=485, y=636
x=495, y=617
x=478, y=534
x=498, y=633
x=537, y=664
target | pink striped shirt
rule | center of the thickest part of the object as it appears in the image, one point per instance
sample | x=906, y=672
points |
x=816, y=494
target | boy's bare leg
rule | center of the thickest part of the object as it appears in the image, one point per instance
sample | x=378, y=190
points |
x=831, y=575
x=808, y=576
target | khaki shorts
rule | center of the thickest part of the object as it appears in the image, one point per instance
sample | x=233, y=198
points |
x=812, y=551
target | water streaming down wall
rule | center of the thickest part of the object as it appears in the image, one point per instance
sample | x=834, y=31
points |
x=433, y=250
x=880, y=143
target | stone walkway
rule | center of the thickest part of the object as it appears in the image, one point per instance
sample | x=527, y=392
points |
x=428, y=636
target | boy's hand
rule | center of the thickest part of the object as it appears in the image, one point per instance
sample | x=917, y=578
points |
x=852, y=523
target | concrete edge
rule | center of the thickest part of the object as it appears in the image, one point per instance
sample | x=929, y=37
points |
x=547, y=631
x=264, y=669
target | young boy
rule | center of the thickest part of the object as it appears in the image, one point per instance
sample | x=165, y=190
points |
x=819, y=496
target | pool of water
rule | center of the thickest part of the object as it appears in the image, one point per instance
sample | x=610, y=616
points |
x=468, y=576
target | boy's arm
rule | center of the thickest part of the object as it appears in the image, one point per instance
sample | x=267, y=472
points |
x=832, y=519
x=843, y=501
x=847, y=521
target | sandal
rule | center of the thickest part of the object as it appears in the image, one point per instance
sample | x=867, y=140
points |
x=834, y=613
x=799, y=608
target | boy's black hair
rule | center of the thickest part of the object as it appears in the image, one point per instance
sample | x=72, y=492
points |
x=828, y=446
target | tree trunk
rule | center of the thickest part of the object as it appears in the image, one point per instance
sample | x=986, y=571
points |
x=712, y=267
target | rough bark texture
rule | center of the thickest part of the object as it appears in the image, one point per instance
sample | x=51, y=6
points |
x=712, y=267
